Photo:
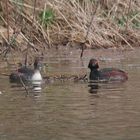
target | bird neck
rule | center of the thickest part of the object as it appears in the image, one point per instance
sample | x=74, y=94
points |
x=36, y=71
x=94, y=69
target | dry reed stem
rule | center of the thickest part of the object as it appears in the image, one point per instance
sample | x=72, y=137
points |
x=72, y=19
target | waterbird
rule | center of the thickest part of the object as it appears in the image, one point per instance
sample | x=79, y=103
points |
x=105, y=74
x=26, y=74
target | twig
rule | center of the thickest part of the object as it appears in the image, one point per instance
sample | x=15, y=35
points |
x=129, y=8
x=7, y=16
x=87, y=33
x=25, y=5
x=15, y=36
x=23, y=84
x=21, y=81
x=38, y=26
x=120, y=36
x=34, y=10
x=8, y=36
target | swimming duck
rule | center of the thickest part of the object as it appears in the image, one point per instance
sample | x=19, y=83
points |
x=105, y=74
x=25, y=74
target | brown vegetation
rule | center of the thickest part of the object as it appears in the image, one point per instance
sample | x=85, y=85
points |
x=47, y=23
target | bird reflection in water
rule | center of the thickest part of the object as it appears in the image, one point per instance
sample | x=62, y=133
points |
x=36, y=86
x=93, y=87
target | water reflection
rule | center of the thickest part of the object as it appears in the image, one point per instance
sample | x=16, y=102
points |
x=28, y=87
x=104, y=86
x=36, y=88
x=93, y=87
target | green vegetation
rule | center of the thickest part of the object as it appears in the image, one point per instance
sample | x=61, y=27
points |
x=47, y=17
x=132, y=17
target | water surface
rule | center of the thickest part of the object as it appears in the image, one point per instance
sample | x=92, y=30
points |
x=66, y=110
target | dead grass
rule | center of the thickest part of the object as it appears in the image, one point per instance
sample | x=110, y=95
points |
x=115, y=23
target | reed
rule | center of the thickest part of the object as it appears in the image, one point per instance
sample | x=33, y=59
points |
x=66, y=22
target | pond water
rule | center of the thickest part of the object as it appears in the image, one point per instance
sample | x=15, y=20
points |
x=67, y=110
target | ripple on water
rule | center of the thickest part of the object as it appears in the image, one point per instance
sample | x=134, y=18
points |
x=67, y=110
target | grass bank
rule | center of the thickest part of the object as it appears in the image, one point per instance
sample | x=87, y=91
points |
x=41, y=24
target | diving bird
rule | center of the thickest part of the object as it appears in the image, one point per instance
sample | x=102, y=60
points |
x=105, y=74
x=26, y=74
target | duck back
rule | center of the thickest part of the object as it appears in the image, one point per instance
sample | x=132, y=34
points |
x=23, y=73
x=112, y=74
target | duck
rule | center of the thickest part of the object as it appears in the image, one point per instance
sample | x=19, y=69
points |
x=105, y=74
x=26, y=74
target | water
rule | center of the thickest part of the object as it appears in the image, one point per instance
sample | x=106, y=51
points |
x=66, y=110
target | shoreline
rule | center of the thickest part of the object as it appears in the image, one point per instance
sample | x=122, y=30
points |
x=48, y=24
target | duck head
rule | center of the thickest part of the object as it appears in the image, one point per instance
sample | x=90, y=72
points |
x=93, y=64
x=37, y=64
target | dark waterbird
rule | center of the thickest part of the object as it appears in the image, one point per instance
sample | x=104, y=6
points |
x=105, y=74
